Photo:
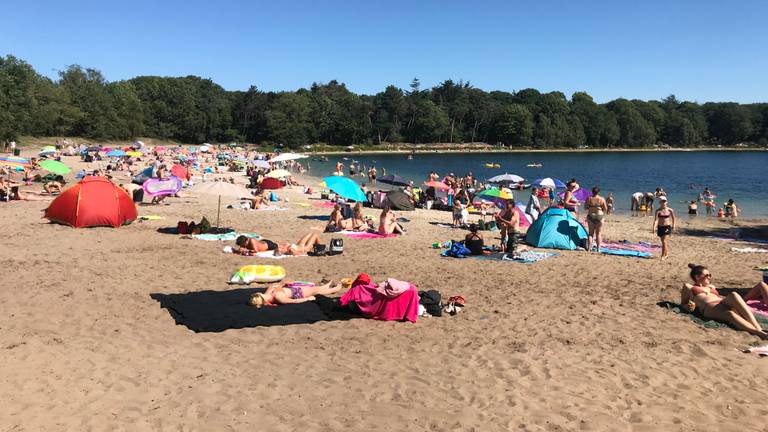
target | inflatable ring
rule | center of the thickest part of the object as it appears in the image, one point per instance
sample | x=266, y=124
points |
x=257, y=274
x=166, y=186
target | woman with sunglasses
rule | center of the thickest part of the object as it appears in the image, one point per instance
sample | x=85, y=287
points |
x=702, y=297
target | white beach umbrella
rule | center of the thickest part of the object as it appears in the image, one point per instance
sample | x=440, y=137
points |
x=219, y=188
x=258, y=163
x=287, y=156
x=506, y=178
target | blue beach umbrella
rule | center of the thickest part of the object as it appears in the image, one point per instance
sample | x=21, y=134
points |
x=345, y=188
x=116, y=153
x=548, y=182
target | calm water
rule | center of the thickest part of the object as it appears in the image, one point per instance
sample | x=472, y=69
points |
x=736, y=175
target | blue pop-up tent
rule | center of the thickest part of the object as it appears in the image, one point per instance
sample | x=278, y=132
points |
x=556, y=229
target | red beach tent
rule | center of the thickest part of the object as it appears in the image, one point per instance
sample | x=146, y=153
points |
x=94, y=201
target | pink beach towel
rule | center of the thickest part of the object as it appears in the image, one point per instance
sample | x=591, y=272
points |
x=367, y=235
x=758, y=307
x=378, y=306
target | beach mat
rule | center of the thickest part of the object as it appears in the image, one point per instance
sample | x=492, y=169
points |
x=216, y=311
x=708, y=323
x=627, y=253
x=527, y=257
x=365, y=235
x=224, y=237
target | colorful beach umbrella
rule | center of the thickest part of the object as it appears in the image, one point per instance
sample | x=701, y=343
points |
x=580, y=194
x=270, y=183
x=506, y=178
x=394, y=180
x=345, y=188
x=180, y=172
x=14, y=161
x=549, y=182
x=55, y=167
x=437, y=185
x=134, y=153
x=116, y=153
x=278, y=174
x=504, y=194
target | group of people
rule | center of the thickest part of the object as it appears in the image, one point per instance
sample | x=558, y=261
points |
x=357, y=221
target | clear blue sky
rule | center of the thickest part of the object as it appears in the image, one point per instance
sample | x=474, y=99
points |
x=702, y=50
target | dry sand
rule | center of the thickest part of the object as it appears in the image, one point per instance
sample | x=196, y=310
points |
x=572, y=343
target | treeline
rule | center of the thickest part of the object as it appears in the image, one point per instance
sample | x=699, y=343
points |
x=194, y=110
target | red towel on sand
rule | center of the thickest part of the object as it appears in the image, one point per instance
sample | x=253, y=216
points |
x=377, y=305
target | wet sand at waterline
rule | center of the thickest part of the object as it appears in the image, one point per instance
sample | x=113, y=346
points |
x=575, y=342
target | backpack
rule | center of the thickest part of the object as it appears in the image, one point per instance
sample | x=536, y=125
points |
x=432, y=302
x=336, y=246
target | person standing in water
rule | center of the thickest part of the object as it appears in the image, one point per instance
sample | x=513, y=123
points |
x=663, y=225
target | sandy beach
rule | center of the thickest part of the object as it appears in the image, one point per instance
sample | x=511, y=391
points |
x=575, y=342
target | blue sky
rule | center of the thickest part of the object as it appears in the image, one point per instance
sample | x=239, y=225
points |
x=699, y=50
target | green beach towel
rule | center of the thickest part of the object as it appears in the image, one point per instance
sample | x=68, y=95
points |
x=708, y=323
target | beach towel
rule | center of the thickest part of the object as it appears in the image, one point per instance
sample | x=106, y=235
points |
x=366, y=235
x=622, y=252
x=375, y=305
x=748, y=250
x=758, y=307
x=762, y=351
x=705, y=322
x=216, y=311
x=224, y=237
x=629, y=246
x=151, y=217
x=271, y=255
x=527, y=257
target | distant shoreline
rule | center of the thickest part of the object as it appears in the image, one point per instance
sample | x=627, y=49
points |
x=559, y=150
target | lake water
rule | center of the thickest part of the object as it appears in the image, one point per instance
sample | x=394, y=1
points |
x=736, y=175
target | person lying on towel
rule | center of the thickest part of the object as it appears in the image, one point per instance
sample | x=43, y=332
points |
x=732, y=309
x=250, y=246
x=292, y=293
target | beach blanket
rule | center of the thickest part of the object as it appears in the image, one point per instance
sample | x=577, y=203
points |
x=380, y=306
x=749, y=250
x=151, y=217
x=704, y=322
x=271, y=255
x=224, y=237
x=629, y=246
x=216, y=311
x=762, y=351
x=758, y=307
x=527, y=257
x=622, y=252
x=366, y=235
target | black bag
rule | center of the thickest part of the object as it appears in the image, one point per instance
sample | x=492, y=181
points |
x=431, y=300
x=138, y=195
x=336, y=246
x=318, y=250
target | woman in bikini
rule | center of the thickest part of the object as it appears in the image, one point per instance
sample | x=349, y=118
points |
x=569, y=201
x=596, y=208
x=388, y=223
x=292, y=293
x=703, y=297
x=663, y=225
x=250, y=246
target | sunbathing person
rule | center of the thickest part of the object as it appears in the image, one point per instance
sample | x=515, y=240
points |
x=52, y=187
x=702, y=296
x=282, y=294
x=388, y=223
x=250, y=246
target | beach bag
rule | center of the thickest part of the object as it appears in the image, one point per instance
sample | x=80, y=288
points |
x=432, y=302
x=318, y=250
x=336, y=246
x=182, y=227
x=138, y=195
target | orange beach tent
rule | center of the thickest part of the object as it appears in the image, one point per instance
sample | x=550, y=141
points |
x=94, y=201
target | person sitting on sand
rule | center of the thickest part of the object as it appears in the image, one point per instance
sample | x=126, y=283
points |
x=702, y=297
x=388, y=223
x=336, y=220
x=289, y=293
x=250, y=246
x=474, y=240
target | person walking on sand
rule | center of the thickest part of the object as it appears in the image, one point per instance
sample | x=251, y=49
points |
x=663, y=225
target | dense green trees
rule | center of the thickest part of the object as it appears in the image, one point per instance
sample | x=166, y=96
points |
x=192, y=109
